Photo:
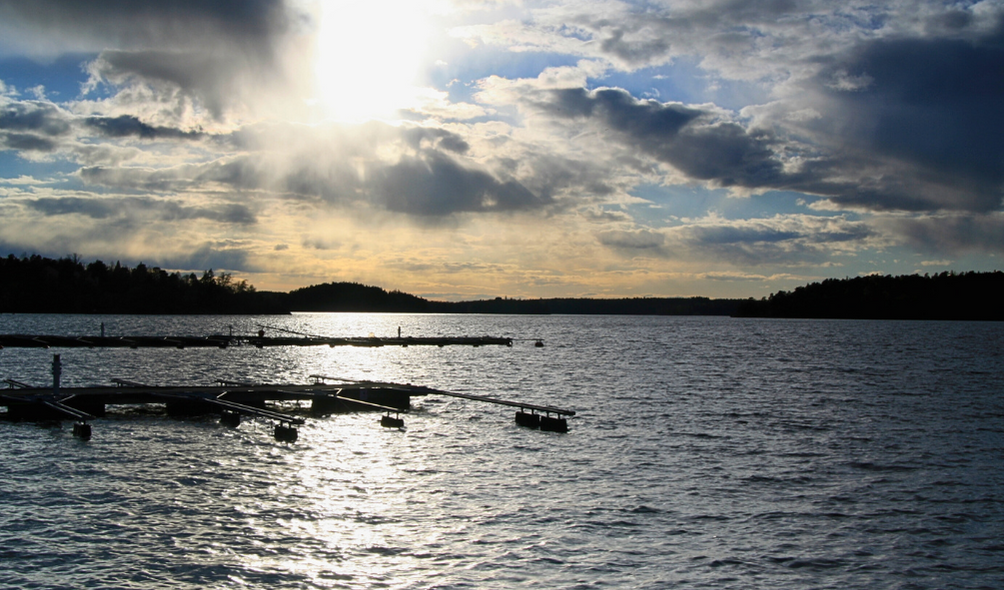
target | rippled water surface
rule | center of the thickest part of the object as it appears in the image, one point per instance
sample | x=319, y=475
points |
x=705, y=453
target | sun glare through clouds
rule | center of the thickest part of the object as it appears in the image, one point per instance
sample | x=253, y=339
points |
x=370, y=56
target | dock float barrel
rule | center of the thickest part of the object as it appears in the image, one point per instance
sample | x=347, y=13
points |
x=82, y=430
x=391, y=422
x=527, y=419
x=285, y=433
x=553, y=424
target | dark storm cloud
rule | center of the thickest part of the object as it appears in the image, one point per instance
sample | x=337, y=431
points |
x=32, y=126
x=910, y=125
x=180, y=55
x=435, y=185
x=27, y=142
x=733, y=235
x=765, y=234
x=35, y=117
x=148, y=22
x=112, y=208
x=932, y=105
x=639, y=118
x=896, y=106
x=129, y=126
x=213, y=79
x=684, y=137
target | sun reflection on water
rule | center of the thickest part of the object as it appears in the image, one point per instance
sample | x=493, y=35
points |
x=346, y=501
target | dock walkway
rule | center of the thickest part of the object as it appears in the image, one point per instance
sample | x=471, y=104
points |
x=224, y=341
x=233, y=400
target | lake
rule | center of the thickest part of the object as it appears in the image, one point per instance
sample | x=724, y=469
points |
x=707, y=452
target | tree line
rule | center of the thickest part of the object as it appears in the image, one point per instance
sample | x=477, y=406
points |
x=944, y=296
x=34, y=284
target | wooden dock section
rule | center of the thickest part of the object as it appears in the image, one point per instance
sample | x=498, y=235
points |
x=234, y=400
x=224, y=341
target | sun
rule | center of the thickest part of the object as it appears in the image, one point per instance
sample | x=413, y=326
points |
x=370, y=56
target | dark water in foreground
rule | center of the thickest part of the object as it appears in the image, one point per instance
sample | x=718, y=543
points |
x=706, y=453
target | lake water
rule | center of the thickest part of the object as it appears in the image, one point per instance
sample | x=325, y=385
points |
x=705, y=453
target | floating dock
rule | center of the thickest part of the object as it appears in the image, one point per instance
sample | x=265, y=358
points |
x=224, y=341
x=234, y=400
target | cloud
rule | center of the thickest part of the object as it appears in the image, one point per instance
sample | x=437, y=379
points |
x=185, y=87
x=46, y=27
x=782, y=239
x=27, y=142
x=928, y=121
x=182, y=63
x=434, y=185
x=696, y=141
x=886, y=148
x=639, y=239
x=32, y=126
x=745, y=277
x=141, y=207
x=952, y=234
x=217, y=256
x=321, y=243
x=34, y=116
x=129, y=126
x=420, y=172
x=890, y=107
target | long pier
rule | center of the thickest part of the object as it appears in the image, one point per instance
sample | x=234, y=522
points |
x=224, y=341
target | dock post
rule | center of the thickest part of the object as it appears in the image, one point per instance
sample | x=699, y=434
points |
x=57, y=370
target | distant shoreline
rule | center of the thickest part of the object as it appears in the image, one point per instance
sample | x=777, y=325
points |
x=66, y=286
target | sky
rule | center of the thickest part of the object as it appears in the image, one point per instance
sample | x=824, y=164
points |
x=463, y=149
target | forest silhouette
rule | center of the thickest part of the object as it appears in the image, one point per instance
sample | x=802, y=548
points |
x=35, y=284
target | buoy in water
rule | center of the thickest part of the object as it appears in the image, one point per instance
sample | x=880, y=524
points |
x=527, y=419
x=539, y=344
x=82, y=430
